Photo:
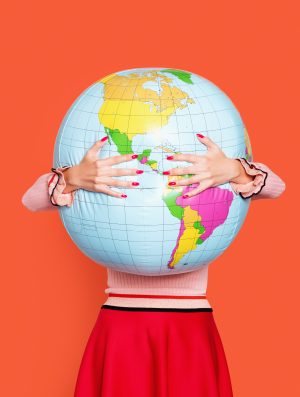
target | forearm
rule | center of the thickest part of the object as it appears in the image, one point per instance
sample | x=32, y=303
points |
x=47, y=193
x=36, y=198
x=262, y=181
x=274, y=186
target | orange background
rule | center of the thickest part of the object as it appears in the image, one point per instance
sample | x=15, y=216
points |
x=51, y=292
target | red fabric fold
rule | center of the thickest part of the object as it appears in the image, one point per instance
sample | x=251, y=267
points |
x=154, y=354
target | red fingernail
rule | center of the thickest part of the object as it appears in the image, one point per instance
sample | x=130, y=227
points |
x=139, y=171
x=172, y=183
x=166, y=173
x=135, y=183
x=104, y=138
x=124, y=195
x=170, y=157
x=200, y=135
x=134, y=156
x=185, y=196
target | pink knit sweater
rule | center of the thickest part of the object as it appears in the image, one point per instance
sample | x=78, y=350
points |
x=185, y=290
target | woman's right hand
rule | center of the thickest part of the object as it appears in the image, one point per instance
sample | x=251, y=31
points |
x=95, y=174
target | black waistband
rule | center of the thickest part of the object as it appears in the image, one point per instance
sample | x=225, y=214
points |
x=159, y=309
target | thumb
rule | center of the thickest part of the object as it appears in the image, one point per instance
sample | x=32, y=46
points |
x=94, y=150
x=207, y=142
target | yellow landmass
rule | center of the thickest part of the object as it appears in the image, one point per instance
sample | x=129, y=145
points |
x=164, y=149
x=133, y=109
x=153, y=166
x=187, y=241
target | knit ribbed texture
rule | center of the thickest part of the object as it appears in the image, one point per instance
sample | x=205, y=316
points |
x=189, y=283
x=274, y=185
x=36, y=198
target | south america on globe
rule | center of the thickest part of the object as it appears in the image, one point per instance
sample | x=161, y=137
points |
x=153, y=112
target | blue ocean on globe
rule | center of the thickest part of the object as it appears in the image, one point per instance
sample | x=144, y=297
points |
x=153, y=112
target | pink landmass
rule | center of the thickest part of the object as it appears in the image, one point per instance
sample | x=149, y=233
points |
x=212, y=206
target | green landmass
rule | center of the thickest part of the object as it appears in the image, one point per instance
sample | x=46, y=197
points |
x=201, y=228
x=183, y=76
x=150, y=162
x=145, y=153
x=120, y=140
x=197, y=225
x=170, y=201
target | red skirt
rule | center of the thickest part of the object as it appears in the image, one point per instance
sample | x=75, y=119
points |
x=154, y=352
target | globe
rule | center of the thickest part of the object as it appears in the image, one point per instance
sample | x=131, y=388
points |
x=153, y=112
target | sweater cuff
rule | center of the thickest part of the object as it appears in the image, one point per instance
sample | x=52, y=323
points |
x=247, y=190
x=56, y=186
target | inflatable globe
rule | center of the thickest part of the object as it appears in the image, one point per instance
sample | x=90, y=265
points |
x=153, y=112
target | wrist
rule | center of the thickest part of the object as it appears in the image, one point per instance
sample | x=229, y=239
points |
x=240, y=173
x=233, y=169
x=71, y=179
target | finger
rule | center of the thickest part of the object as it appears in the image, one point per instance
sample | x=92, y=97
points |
x=207, y=142
x=119, y=182
x=106, y=180
x=203, y=185
x=105, y=189
x=119, y=159
x=192, y=158
x=180, y=171
x=94, y=150
x=122, y=171
x=188, y=181
x=199, y=177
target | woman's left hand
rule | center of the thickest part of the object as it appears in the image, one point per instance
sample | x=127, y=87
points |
x=212, y=169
